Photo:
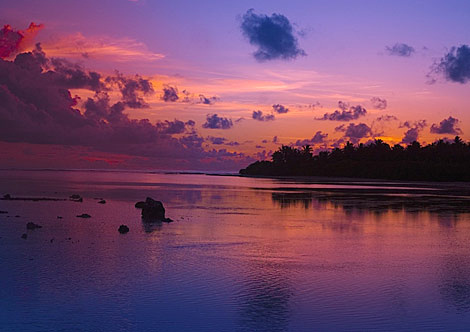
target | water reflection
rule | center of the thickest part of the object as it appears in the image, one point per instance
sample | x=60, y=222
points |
x=351, y=202
x=264, y=298
x=455, y=286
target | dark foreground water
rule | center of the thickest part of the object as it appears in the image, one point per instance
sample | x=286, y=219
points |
x=242, y=255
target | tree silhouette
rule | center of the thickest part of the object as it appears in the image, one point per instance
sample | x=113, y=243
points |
x=439, y=161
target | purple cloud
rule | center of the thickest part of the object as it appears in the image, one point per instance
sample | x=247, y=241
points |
x=447, y=126
x=258, y=115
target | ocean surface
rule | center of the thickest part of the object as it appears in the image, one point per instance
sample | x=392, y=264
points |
x=243, y=254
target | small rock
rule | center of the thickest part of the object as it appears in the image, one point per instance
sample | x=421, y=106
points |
x=84, y=215
x=140, y=205
x=75, y=196
x=3, y=212
x=17, y=216
x=32, y=225
x=52, y=240
x=59, y=217
x=7, y=196
x=123, y=229
x=24, y=236
x=102, y=202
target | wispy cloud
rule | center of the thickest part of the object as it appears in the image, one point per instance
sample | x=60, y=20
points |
x=100, y=48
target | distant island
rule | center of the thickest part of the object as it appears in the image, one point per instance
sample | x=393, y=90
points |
x=439, y=161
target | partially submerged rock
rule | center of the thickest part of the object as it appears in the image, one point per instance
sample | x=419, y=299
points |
x=152, y=210
x=3, y=212
x=76, y=198
x=123, y=229
x=7, y=196
x=32, y=225
x=102, y=202
x=84, y=215
x=24, y=236
x=140, y=205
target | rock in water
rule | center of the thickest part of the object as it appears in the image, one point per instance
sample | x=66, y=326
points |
x=102, y=202
x=84, y=215
x=32, y=225
x=152, y=210
x=123, y=229
x=24, y=236
x=140, y=205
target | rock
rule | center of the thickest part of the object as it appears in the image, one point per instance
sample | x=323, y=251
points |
x=24, y=236
x=32, y=225
x=102, y=202
x=153, y=210
x=7, y=196
x=76, y=198
x=123, y=229
x=140, y=205
x=3, y=212
x=59, y=217
x=84, y=215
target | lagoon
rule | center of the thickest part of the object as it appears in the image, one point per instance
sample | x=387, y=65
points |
x=243, y=254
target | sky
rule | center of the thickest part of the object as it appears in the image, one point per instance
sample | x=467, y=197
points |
x=214, y=85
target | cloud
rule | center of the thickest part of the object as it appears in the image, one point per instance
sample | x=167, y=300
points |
x=13, y=42
x=36, y=107
x=355, y=132
x=455, y=65
x=207, y=100
x=78, y=46
x=174, y=127
x=258, y=115
x=400, y=49
x=170, y=93
x=411, y=135
x=379, y=103
x=353, y=113
x=387, y=118
x=273, y=35
x=447, y=126
x=319, y=137
x=280, y=109
x=213, y=121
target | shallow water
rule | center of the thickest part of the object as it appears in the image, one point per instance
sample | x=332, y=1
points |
x=243, y=254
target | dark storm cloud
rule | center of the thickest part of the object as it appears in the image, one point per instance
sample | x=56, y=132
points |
x=379, y=103
x=353, y=113
x=280, y=109
x=273, y=35
x=258, y=115
x=170, y=93
x=400, y=49
x=37, y=107
x=446, y=126
x=319, y=137
x=213, y=121
x=455, y=65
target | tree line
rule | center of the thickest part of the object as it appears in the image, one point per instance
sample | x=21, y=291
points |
x=439, y=161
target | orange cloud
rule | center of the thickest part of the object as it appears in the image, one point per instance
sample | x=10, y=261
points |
x=13, y=42
x=100, y=48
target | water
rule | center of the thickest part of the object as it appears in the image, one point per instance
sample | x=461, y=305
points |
x=242, y=255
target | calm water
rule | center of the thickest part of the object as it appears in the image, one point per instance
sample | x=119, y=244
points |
x=242, y=255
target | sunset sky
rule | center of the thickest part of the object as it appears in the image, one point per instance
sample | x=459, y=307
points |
x=222, y=84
